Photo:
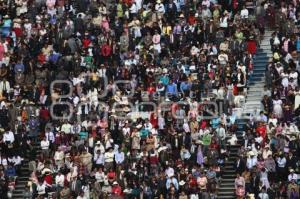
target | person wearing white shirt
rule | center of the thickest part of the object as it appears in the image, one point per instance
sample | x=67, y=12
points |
x=251, y=161
x=281, y=163
x=100, y=176
x=160, y=8
x=244, y=13
x=138, y=4
x=99, y=146
x=266, y=152
x=206, y=3
x=161, y=123
x=99, y=159
x=292, y=176
x=4, y=87
x=109, y=158
x=49, y=135
x=133, y=9
x=224, y=22
x=221, y=133
x=8, y=137
x=41, y=189
x=66, y=127
x=126, y=130
x=45, y=147
x=169, y=171
x=59, y=158
x=59, y=180
x=3, y=161
x=17, y=160
x=186, y=126
x=119, y=156
x=75, y=129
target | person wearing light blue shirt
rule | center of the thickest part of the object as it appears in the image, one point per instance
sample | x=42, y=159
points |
x=164, y=79
x=215, y=122
x=185, y=87
x=172, y=180
x=171, y=88
x=119, y=156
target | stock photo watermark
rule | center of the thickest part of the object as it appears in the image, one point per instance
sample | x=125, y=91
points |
x=127, y=110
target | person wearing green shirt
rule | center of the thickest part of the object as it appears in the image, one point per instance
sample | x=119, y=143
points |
x=206, y=139
x=88, y=60
x=239, y=35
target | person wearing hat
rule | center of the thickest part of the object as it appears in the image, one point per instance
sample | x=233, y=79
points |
x=266, y=152
x=116, y=189
x=292, y=176
x=99, y=146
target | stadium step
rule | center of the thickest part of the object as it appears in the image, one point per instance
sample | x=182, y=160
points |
x=252, y=106
x=22, y=180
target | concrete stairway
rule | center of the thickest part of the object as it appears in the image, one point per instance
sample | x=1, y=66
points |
x=257, y=79
x=252, y=106
x=22, y=180
x=226, y=188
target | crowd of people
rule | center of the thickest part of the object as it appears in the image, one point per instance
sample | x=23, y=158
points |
x=136, y=99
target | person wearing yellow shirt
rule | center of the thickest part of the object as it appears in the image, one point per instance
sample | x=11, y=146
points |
x=167, y=29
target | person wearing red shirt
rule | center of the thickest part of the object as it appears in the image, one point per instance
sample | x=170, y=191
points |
x=153, y=160
x=262, y=131
x=48, y=179
x=191, y=20
x=151, y=89
x=116, y=189
x=251, y=45
x=128, y=2
x=44, y=114
x=192, y=181
x=106, y=50
x=86, y=42
x=111, y=175
x=214, y=145
x=154, y=120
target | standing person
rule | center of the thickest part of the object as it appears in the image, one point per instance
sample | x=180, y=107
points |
x=270, y=16
x=45, y=144
x=239, y=185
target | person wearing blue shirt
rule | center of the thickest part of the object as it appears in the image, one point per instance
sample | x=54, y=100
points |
x=298, y=44
x=10, y=171
x=54, y=57
x=19, y=67
x=185, y=87
x=171, y=89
